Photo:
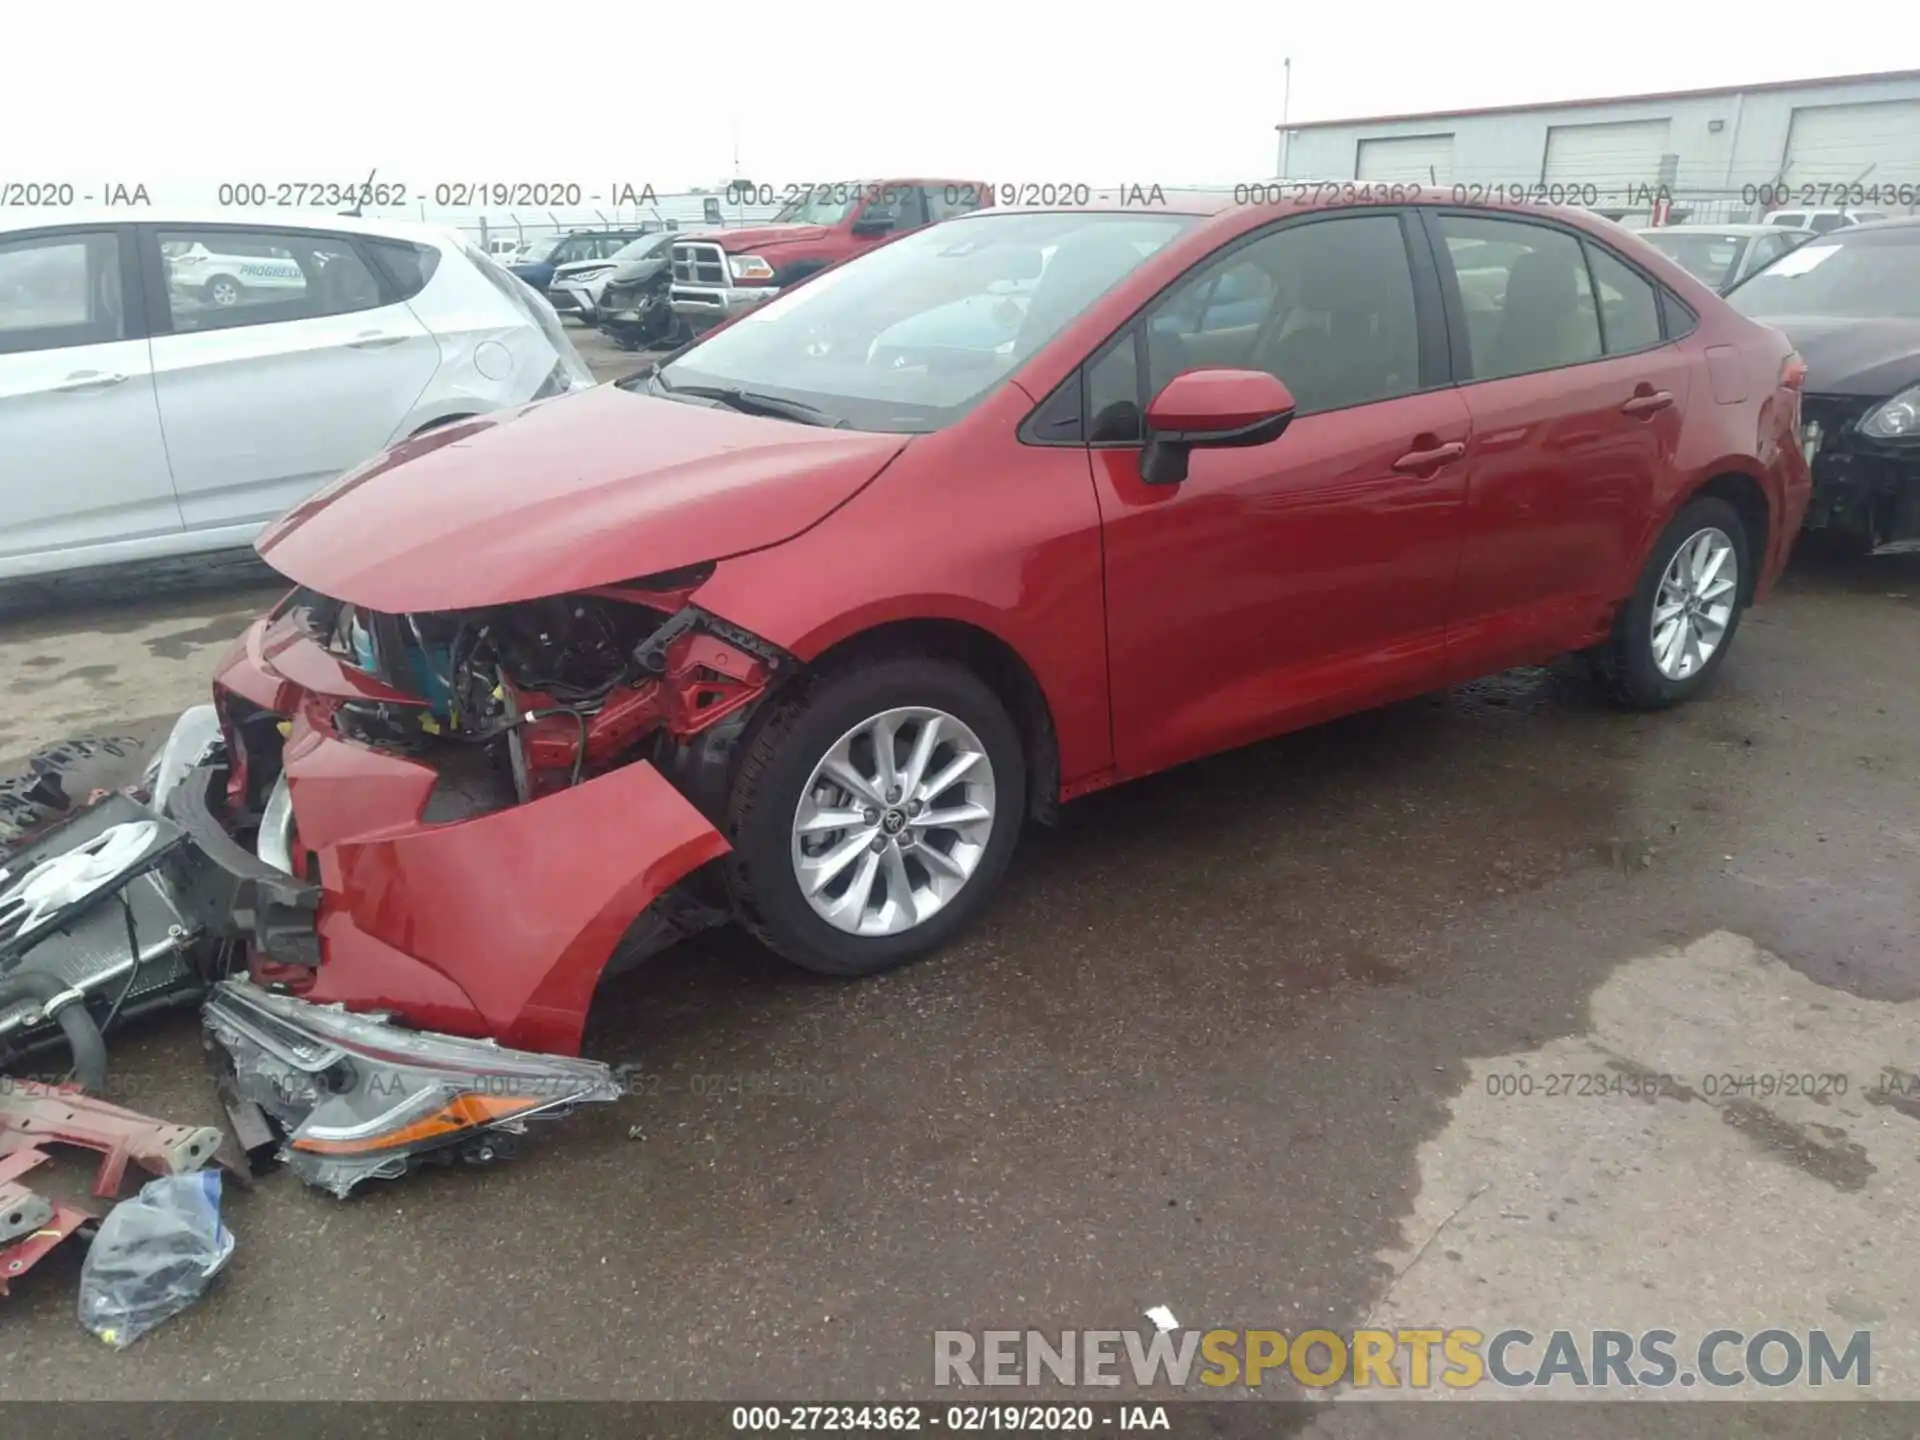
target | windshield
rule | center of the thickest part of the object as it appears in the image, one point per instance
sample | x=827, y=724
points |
x=1851, y=275
x=909, y=337
x=1705, y=257
x=643, y=247
x=538, y=251
x=822, y=205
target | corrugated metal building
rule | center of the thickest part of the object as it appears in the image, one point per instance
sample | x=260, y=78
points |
x=1723, y=154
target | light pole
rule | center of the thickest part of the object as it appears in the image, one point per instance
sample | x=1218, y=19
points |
x=1286, y=104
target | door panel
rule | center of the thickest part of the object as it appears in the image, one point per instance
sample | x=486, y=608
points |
x=1565, y=459
x=268, y=393
x=1280, y=585
x=81, y=456
x=1560, y=479
x=1285, y=583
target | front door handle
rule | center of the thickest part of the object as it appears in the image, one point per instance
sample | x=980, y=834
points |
x=84, y=380
x=374, y=340
x=1432, y=459
x=1647, y=403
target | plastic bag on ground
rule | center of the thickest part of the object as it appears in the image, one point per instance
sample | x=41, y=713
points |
x=154, y=1256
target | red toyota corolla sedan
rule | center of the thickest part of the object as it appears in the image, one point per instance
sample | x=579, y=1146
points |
x=802, y=625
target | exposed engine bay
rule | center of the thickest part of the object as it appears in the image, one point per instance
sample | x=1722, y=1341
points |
x=547, y=691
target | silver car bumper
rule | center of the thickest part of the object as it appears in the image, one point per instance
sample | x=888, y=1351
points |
x=718, y=302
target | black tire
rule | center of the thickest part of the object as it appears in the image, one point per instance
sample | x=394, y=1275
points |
x=1624, y=666
x=790, y=740
x=211, y=291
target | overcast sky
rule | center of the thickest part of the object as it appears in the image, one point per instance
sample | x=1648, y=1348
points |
x=183, y=97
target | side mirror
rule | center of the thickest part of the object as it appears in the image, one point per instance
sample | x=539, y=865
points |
x=1211, y=410
x=875, y=223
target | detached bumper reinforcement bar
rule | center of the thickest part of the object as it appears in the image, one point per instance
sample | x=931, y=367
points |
x=233, y=892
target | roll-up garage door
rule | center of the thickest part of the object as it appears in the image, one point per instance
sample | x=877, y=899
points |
x=1876, y=143
x=1614, y=157
x=1427, y=159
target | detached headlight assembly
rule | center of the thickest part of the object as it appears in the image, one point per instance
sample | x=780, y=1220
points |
x=1895, y=419
x=355, y=1098
x=749, y=267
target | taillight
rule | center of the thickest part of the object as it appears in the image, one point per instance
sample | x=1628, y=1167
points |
x=1793, y=372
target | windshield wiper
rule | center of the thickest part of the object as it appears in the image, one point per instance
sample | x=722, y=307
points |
x=751, y=402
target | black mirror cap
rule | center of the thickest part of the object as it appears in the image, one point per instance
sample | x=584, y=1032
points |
x=1163, y=459
x=874, y=225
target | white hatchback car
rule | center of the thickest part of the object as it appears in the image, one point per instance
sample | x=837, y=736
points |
x=171, y=385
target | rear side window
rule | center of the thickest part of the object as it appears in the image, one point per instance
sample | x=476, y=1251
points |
x=408, y=266
x=60, y=290
x=1526, y=294
x=1629, y=308
x=220, y=279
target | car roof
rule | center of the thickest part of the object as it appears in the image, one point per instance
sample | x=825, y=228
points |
x=1703, y=228
x=265, y=219
x=1893, y=222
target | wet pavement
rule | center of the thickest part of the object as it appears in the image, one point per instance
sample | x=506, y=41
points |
x=1235, y=1040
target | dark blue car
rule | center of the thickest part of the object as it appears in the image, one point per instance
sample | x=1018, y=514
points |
x=537, y=264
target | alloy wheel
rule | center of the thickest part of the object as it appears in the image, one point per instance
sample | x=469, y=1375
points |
x=893, y=821
x=1694, y=604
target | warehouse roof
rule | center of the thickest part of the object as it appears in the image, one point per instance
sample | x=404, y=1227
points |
x=1606, y=100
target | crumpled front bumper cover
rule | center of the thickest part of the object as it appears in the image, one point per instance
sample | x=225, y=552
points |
x=358, y=1098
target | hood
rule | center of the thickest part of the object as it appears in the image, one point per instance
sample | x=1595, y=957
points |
x=628, y=271
x=574, y=267
x=1870, y=358
x=739, y=242
x=587, y=489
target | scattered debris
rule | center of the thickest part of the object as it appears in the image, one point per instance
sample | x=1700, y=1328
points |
x=33, y=1116
x=1162, y=1318
x=358, y=1098
x=35, y=795
x=154, y=1256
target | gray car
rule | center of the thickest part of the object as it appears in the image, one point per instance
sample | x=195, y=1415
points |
x=1724, y=255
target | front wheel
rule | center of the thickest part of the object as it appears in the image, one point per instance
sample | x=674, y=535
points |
x=874, y=814
x=1677, y=626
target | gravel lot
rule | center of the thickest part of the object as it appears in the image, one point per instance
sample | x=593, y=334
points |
x=1234, y=1041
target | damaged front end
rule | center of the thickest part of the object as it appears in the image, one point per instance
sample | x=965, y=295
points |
x=432, y=835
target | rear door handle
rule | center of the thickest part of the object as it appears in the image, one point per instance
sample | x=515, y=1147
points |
x=374, y=340
x=83, y=380
x=1647, y=404
x=1430, y=459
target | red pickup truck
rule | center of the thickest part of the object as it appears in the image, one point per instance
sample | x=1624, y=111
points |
x=717, y=276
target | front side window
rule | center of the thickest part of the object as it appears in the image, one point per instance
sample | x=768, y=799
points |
x=911, y=335
x=1526, y=294
x=217, y=279
x=1327, y=307
x=821, y=205
x=60, y=290
x=943, y=202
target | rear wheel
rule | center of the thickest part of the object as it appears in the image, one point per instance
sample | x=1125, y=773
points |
x=874, y=814
x=1675, y=630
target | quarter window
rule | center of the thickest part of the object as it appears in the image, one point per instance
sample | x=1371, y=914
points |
x=217, y=279
x=1629, y=309
x=60, y=290
x=1526, y=293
